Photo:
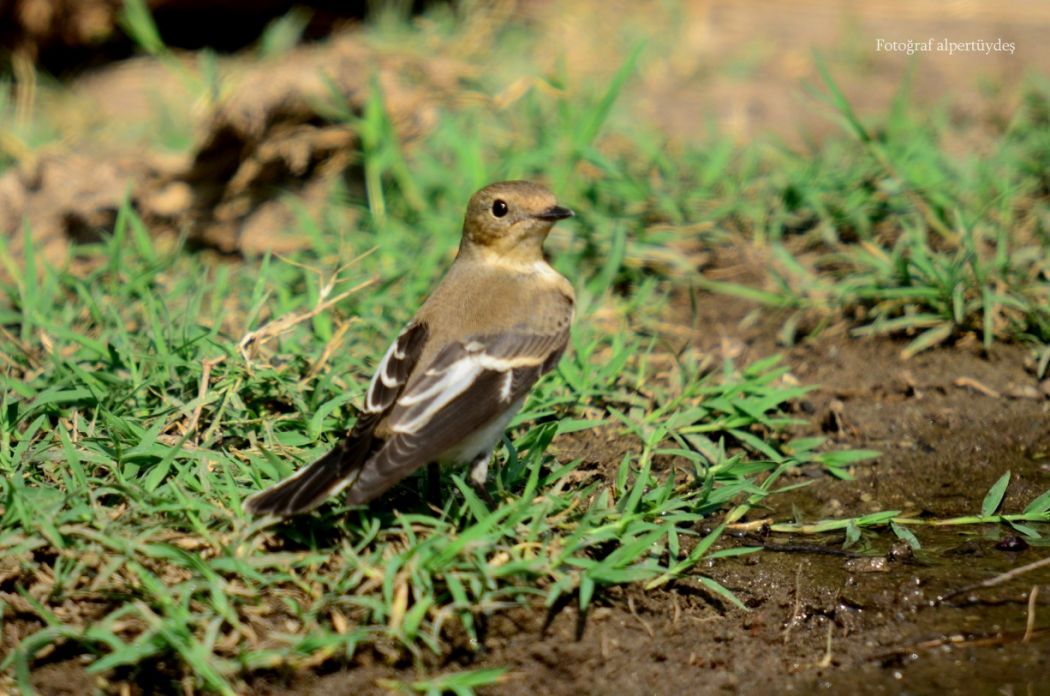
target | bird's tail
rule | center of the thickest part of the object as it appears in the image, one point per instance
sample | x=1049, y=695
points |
x=314, y=484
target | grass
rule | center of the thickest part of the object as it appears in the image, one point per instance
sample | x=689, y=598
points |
x=1036, y=512
x=132, y=429
x=132, y=426
x=888, y=230
x=132, y=423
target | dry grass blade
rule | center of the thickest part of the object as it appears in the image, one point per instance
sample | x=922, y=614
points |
x=282, y=325
x=999, y=579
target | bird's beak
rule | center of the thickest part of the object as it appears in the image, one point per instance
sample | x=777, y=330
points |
x=554, y=213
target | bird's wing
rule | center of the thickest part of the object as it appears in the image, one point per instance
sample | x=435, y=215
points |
x=468, y=385
x=312, y=485
x=395, y=368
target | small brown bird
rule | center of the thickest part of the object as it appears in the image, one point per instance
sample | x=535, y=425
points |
x=455, y=376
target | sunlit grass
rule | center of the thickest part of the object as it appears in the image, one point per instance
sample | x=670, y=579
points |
x=888, y=231
x=132, y=426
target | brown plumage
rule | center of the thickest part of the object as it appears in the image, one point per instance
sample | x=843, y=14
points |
x=460, y=370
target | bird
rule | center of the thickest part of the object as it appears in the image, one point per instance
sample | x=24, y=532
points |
x=453, y=378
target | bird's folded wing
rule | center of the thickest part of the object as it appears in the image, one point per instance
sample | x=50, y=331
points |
x=394, y=369
x=469, y=384
x=312, y=485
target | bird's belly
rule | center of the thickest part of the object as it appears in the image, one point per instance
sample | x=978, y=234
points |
x=481, y=440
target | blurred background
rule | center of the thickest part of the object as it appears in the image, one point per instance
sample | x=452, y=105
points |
x=204, y=112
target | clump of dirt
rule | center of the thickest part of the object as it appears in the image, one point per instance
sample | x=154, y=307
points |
x=282, y=132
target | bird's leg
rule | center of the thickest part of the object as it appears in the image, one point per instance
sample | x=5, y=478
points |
x=479, y=474
x=434, y=484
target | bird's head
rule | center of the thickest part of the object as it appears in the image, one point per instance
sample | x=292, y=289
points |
x=511, y=219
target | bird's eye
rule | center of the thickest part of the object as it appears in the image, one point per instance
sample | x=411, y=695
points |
x=499, y=207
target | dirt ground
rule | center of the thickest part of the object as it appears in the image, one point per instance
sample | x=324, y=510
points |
x=876, y=619
x=820, y=619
